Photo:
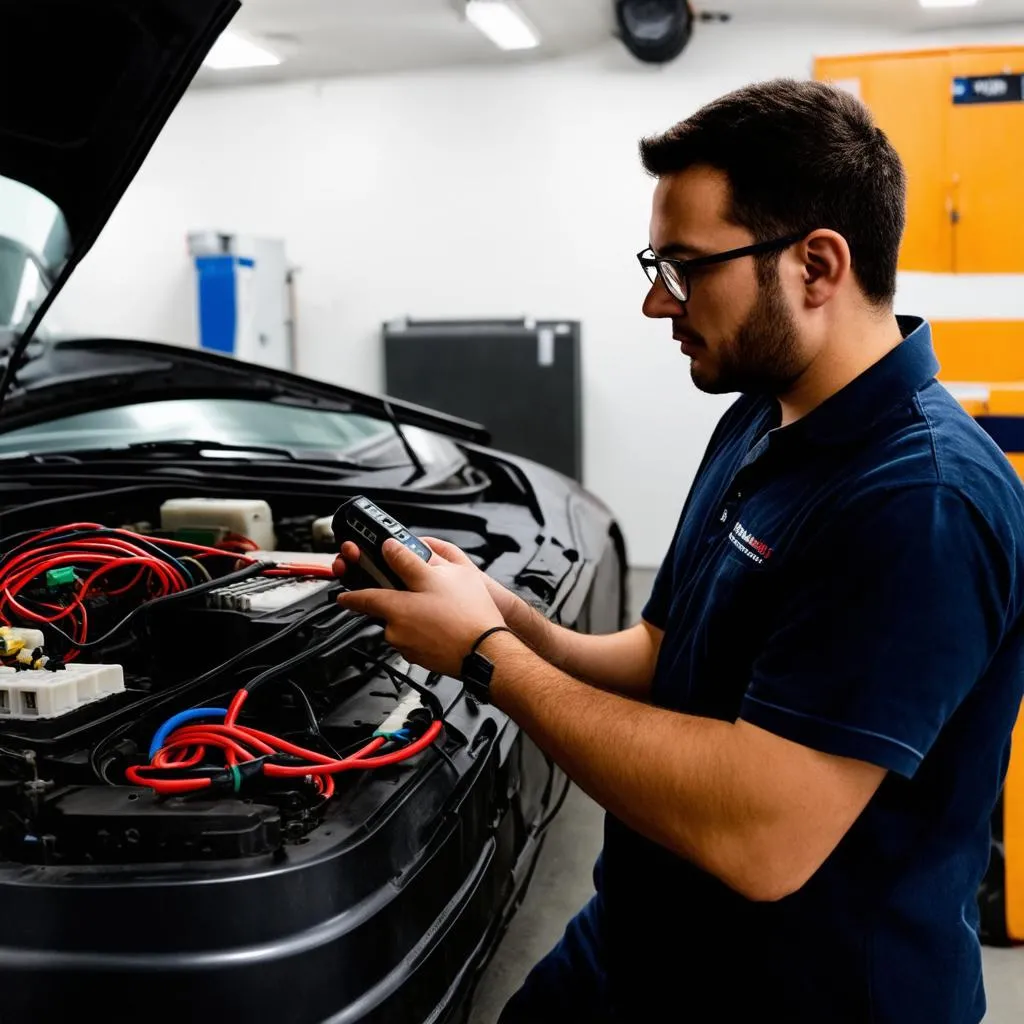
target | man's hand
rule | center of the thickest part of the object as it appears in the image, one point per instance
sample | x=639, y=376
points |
x=513, y=609
x=433, y=624
x=507, y=602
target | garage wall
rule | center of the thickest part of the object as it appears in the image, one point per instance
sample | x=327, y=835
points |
x=471, y=193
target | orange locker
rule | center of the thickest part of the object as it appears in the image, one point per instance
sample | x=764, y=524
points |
x=986, y=153
x=965, y=199
x=909, y=95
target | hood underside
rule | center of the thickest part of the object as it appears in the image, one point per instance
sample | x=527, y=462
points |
x=88, y=87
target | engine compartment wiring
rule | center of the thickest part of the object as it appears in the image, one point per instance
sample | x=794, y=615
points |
x=181, y=720
x=246, y=752
x=49, y=577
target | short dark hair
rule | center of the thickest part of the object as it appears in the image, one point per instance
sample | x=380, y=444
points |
x=799, y=156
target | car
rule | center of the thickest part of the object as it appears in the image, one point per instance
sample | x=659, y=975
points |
x=351, y=844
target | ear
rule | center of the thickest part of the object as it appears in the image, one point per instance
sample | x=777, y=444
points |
x=827, y=266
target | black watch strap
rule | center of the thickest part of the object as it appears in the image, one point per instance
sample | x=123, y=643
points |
x=485, y=634
x=477, y=670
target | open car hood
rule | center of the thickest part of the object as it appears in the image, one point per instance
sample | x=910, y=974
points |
x=70, y=376
x=91, y=84
x=88, y=87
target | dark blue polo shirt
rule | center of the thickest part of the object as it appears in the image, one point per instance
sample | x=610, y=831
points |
x=853, y=582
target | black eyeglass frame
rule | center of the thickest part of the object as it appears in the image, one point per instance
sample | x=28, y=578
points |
x=683, y=267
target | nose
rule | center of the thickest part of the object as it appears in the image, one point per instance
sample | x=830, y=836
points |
x=661, y=304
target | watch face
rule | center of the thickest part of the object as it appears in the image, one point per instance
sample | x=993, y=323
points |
x=476, y=674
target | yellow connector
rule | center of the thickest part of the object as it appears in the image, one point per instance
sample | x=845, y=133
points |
x=11, y=645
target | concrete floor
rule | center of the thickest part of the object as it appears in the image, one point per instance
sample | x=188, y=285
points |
x=562, y=884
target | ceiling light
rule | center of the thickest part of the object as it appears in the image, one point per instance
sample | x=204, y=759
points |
x=947, y=3
x=503, y=23
x=232, y=51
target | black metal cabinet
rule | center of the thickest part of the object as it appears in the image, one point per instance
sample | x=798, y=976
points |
x=519, y=378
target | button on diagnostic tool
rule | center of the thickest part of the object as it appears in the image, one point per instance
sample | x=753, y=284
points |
x=367, y=526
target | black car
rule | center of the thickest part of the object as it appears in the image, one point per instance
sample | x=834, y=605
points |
x=351, y=844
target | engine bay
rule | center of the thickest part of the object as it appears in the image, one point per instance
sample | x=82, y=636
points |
x=182, y=686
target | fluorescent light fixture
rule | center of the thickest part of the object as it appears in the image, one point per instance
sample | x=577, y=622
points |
x=503, y=23
x=232, y=51
x=947, y=3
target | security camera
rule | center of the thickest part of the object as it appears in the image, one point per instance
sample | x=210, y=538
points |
x=655, y=31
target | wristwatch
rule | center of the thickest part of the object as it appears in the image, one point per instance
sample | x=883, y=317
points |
x=477, y=670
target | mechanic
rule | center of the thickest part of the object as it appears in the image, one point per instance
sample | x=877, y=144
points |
x=801, y=745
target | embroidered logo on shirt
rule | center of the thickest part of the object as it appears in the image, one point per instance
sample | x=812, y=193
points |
x=743, y=540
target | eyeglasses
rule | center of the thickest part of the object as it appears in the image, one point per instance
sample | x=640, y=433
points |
x=675, y=274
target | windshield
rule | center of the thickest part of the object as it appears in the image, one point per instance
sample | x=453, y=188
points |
x=34, y=244
x=227, y=421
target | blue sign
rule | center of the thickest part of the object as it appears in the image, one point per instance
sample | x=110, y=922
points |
x=989, y=89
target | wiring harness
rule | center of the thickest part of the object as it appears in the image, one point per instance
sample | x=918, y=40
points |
x=56, y=577
x=179, y=752
x=50, y=577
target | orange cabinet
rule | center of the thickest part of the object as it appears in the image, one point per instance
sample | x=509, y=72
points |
x=986, y=154
x=965, y=196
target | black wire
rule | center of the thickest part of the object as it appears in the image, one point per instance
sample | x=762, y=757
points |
x=365, y=673
x=333, y=640
x=18, y=755
x=430, y=699
x=439, y=747
x=314, y=724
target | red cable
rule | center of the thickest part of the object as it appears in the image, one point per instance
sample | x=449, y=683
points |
x=236, y=706
x=292, y=771
x=188, y=762
x=106, y=550
x=130, y=586
x=235, y=740
x=236, y=539
x=167, y=786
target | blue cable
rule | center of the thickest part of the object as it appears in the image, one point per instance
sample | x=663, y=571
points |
x=172, y=723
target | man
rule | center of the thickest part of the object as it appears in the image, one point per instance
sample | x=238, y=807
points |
x=801, y=744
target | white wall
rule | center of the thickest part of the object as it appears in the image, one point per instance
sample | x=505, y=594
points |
x=462, y=193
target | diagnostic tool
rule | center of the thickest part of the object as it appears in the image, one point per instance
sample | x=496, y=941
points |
x=362, y=522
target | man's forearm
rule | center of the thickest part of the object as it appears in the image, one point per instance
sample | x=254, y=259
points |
x=617, y=663
x=677, y=779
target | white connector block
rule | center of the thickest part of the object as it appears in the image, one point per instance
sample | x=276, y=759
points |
x=284, y=596
x=31, y=638
x=265, y=595
x=27, y=695
x=248, y=517
x=323, y=530
x=96, y=681
x=43, y=694
x=397, y=719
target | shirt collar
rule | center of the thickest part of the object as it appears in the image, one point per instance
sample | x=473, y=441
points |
x=896, y=377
